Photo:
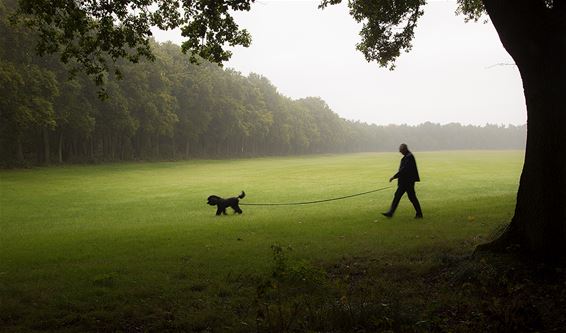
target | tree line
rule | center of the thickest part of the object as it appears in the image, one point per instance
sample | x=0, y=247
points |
x=170, y=109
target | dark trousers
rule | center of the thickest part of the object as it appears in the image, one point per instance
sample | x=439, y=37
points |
x=410, y=189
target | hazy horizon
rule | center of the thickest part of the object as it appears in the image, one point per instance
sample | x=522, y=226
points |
x=453, y=74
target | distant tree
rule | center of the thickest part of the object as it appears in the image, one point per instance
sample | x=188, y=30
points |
x=29, y=107
x=28, y=89
x=274, y=128
x=73, y=115
x=192, y=88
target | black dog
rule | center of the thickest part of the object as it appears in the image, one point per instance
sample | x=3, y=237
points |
x=222, y=203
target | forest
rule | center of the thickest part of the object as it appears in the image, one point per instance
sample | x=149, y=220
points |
x=168, y=108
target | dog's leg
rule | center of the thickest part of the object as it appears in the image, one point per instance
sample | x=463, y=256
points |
x=237, y=209
x=218, y=211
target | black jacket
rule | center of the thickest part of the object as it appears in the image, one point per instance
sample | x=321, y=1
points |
x=408, y=172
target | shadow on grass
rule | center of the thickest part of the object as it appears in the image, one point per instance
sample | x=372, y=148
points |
x=419, y=293
x=430, y=290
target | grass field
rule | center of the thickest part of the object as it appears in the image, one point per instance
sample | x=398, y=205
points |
x=134, y=247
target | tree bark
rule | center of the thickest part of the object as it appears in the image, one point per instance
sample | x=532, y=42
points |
x=535, y=36
x=19, y=149
x=173, y=147
x=157, y=151
x=46, y=148
x=187, y=148
x=91, y=148
x=60, y=148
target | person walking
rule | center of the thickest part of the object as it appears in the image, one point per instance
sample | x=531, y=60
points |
x=406, y=178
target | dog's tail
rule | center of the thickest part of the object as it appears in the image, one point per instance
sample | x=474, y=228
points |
x=241, y=196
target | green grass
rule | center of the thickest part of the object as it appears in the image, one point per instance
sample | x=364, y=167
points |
x=133, y=244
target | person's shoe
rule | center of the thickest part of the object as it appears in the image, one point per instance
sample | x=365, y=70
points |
x=419, y=216
x=387, y=214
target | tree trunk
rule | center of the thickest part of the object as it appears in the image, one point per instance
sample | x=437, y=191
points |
x=19, y=149
x=157, y=152
x=173, y=147
x=46, y=148
x=91, y=148
x=534, y=37
x=60, y=148
x=121, y=149
x=187, y=148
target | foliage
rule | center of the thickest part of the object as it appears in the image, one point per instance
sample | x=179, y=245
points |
x=389, y=25
x=91, y=34
x=472, y=9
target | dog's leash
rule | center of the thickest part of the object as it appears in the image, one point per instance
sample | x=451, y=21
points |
x=312, y=202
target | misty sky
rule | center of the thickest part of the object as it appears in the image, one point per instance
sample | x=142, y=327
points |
x=452, y=74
